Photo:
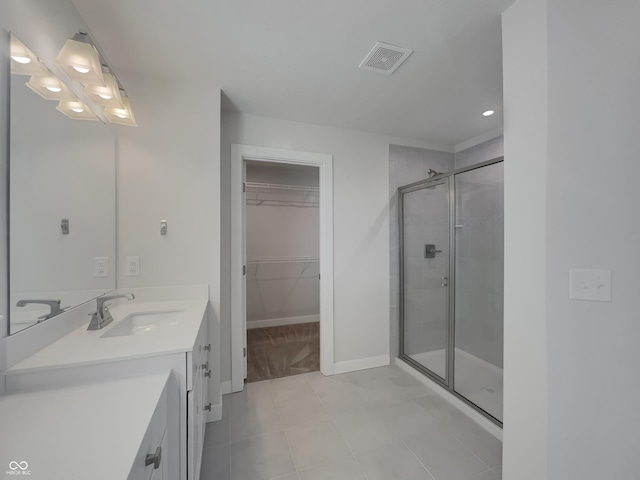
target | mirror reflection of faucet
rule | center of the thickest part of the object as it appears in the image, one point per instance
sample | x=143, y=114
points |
x=54, y=307
x=102, y=316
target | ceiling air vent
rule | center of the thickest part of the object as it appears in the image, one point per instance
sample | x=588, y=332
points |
x=385, y=58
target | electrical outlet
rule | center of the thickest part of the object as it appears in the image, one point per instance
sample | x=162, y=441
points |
x=100, y=266
x=132, y=266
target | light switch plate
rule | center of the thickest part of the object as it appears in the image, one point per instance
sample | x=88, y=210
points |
x=100, y=267
x=590, y=285
x=132, y=266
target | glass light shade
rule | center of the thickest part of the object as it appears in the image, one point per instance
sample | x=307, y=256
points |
x=81, y=62
x=122, y=116
x=107, y=95
x=23, y=60
x=76, y=110
x=49, y=88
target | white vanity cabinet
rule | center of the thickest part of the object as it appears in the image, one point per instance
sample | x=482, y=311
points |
x=83, y=356
x=106, y=430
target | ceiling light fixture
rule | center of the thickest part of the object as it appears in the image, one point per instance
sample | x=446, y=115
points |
x=107, y=95
x=122, y=116
x=488, y=113
x=76, y=110
x=49, y=88
x=80, y=60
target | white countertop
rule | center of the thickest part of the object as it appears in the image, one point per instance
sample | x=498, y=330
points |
x=91, y=431
x=84, y=347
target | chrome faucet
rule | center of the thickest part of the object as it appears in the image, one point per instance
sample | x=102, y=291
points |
x=54, y=307
x=102, y=317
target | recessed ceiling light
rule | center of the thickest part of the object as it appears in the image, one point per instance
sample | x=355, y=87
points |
x=488, y=113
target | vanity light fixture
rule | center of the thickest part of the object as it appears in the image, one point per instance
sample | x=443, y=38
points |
x=107, y=95
x=80, y=60
x=122, y=116
x=49, y=88
x=76, y=110
x=23, y=60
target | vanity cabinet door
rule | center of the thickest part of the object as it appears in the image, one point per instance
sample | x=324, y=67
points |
x=154, y=444
x=194, y=427
x=197, y=400
x=162, y=472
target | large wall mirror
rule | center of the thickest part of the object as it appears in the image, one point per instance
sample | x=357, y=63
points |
x=62, y=243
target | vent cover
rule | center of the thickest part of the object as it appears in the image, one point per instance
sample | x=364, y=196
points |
x=385, y=58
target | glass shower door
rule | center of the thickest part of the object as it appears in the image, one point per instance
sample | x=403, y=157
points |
x=425, y=267
x=479, y=287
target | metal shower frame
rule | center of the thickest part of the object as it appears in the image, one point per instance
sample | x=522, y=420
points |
x=448, y=178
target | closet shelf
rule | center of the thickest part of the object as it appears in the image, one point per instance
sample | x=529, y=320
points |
x=259, y=261
x=274, y=194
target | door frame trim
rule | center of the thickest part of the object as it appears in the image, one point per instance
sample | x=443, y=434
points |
x=324, y=162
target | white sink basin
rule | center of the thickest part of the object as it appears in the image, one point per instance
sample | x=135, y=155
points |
x=144, y=322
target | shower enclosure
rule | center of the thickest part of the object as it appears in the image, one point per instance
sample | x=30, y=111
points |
x=451, y=282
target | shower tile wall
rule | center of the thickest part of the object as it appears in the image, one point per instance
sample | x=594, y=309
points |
x=407, y=165
x=480, y=253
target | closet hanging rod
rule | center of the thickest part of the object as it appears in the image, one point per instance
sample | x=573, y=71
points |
x=277, y=186
x=282, y=203
x=283, y=260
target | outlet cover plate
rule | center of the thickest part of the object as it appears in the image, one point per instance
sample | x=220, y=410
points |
x=132, y=266
x=100, y=267
x=590, y=285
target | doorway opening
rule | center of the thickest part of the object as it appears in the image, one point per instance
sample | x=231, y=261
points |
x=281, y=264
x=283, y=269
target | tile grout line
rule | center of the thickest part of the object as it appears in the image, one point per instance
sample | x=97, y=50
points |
x=418, y=460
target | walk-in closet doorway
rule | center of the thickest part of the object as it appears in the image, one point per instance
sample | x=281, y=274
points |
x=281, y=263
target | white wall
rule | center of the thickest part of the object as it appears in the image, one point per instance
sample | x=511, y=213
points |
x=361, y=224
x=572, y=98
x=525, y=214
x=592, y=222
x=169, y=169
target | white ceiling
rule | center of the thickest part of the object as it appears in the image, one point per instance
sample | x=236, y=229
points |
x=298, y=59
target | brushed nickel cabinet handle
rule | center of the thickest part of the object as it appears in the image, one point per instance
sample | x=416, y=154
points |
x=154, y=458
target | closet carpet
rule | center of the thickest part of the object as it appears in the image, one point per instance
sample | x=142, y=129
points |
x=274, y=352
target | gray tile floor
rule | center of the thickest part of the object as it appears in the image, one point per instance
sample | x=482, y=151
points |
x=378, y=424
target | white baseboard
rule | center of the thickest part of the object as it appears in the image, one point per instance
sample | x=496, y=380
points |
x=360, y=364
x=276, y=322
x=225, y=387
x=481, y=420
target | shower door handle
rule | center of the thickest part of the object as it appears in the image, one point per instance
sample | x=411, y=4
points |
x=445, y=281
